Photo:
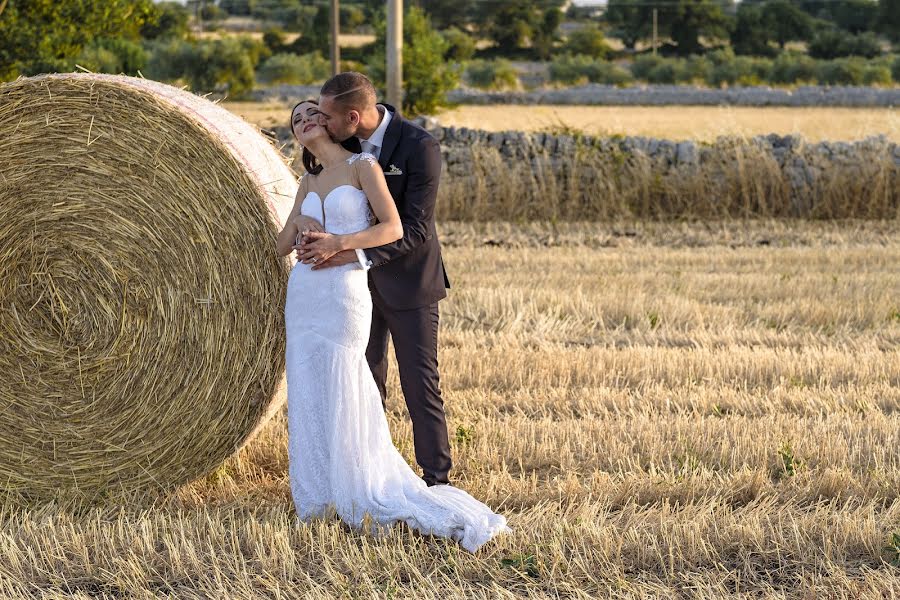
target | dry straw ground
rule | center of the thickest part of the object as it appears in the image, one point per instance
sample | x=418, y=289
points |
x=700, y=123
x=662, y=410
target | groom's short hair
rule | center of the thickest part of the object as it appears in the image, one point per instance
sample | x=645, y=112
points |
x=351, y=90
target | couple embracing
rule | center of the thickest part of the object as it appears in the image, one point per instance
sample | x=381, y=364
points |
x=369, y=268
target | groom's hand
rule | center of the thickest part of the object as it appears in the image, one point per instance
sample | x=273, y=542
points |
x=344, y=257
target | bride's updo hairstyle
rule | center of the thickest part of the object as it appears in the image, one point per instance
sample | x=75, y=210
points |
x=310, y=162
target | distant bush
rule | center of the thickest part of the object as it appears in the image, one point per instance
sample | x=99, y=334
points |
x=98, y=60
x=643, y=65
x=834, y=43
x=294, y=69
x=791, y=68
x=169, y=20
x=741, y=70
x=223, y=65
x=460, y=45
x=352, y=17
x=274, y=39
x=291, y=17
x=895, y=69
x=255, y=49
x=842, y=71
x=876, y=75
x=212, y=13
x=579, y=69
x=587, y=40
x=113, y=55
x=496, y=74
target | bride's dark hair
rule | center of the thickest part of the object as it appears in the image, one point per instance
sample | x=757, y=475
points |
x=310, y=162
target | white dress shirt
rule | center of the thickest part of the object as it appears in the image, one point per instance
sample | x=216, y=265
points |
x=372, y=145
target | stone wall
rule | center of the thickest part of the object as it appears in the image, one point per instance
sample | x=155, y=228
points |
x=771, y=174
x=648, y=94
x=664, y=95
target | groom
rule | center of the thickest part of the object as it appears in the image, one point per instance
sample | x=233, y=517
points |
x=406, y=277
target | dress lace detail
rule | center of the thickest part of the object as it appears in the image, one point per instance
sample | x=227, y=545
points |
x=366, y=156
x=340, y=451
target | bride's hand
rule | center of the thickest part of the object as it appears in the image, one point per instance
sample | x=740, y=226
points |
x=319, y=246
x=304, y=223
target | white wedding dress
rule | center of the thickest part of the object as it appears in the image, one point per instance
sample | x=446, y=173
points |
x=339, y=446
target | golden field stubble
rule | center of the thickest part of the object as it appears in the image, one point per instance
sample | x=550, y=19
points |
x=699, y=123
x=706, y=409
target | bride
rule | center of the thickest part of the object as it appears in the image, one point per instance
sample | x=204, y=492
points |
x=340, y=451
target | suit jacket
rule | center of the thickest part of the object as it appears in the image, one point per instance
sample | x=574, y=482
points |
x=409, y=273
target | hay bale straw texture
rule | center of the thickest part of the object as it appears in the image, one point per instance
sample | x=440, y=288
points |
x=141, y=300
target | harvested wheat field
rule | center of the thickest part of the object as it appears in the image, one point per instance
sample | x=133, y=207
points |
x=661, y=410
x=698, y=123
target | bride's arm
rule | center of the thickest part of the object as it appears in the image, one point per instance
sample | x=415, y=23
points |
x=388, y=229
x=296, y=223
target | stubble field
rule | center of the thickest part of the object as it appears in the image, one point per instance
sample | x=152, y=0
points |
x=661, y=410
x=699, y=123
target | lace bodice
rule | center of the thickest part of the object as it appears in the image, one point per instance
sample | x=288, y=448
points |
x=334, y=197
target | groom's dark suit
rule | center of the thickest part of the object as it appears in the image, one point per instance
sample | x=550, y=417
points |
x=407, y=279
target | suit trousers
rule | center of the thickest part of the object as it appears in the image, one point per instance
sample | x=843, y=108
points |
x=414, y=333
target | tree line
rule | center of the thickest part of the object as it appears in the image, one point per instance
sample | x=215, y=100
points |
x=716, y=42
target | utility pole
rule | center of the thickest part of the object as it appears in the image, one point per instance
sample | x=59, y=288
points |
x=654, y=32
x=335, y=35
x=395, y=53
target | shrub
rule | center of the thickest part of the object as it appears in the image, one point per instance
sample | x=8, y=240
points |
x=460, y=45
x=169, y=20
x=664, y=72
x=793, y=68
x=98, y=60
x=643, y=65
x=222, y=65
x=739, y=70
x=589, y=41
x=496, y=74
x=843, y=71
x=113, y=55
x=696, y=68
x=876, y=75
x=895, y=69
x=274, y=39
x=578, y=69
x=833, y=43
x=294, y=69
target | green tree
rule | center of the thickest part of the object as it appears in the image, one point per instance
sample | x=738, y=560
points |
x=426, y=75
x=835, y=43
x=687, y=20
x=544, y=34
x=587, y=40
x=889, y=20
x=856, y=16
x=47, y=35
x=444, y=14
x=461, y=46
x=786, y=22
x=516, y=25
x=170, y=20
x=222, y=65
x=238, y=7
x=751, y=33
x=631, y=21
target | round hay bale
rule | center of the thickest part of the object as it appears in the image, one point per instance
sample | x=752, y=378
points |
x=141, y=301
